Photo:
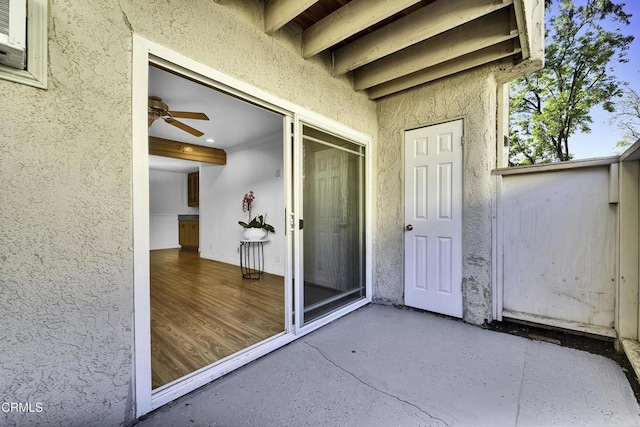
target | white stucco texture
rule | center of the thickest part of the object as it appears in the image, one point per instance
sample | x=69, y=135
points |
x=441, y=101
x=65, y=210
x=66, y=268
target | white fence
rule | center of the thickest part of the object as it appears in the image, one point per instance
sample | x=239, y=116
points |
x=556, y=245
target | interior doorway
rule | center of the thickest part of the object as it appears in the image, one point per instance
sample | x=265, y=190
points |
x=202, y=309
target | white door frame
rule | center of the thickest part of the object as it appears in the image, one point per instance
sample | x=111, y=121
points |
x=430, y=226
x=497, y=253
x=145, y=52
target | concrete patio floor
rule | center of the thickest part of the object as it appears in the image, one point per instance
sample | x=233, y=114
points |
x=383, y=366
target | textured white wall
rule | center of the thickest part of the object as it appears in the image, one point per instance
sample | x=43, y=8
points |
x=66, y=273
x=221, y=191
x=472, y=97
x=65, y=215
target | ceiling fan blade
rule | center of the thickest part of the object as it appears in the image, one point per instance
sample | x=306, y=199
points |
x=180, y=125
x=151, y=120
x=188, y=115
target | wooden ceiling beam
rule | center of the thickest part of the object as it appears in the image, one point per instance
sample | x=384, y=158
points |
x=463, y=40
x=182, y=150
x=431, y=20
x=277, y=13
x=347, y=21
x=466, y=62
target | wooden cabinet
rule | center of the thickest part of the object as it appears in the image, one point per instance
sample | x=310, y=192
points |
x=193, y=189
x=189, y=233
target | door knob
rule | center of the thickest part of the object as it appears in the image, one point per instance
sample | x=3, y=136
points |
x=409, y=227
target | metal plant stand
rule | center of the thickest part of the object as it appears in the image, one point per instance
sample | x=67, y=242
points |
x=252, y=258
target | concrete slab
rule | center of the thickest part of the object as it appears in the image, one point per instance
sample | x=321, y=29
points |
x=383, y=366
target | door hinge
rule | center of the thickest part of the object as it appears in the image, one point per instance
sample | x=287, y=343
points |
x=301, y=224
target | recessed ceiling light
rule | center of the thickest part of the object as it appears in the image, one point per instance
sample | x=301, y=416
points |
x=211, y=140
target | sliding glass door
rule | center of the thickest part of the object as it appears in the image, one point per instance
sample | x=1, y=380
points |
x=333, y=223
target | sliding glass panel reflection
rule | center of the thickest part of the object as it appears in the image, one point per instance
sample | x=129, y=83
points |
x=333, y=223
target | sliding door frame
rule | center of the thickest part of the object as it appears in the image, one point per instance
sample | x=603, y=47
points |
x=146, y=52
x=298, y=156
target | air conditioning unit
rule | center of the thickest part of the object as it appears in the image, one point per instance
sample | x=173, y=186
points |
x=13, y=33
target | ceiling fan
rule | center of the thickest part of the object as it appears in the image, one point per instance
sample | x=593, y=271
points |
x=160, y=110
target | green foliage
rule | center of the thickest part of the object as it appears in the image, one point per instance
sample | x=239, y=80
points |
x=550, y=105
x=627, y=118
x=258, y=222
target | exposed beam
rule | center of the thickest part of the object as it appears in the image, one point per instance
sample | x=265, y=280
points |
x=277, y=13
x=484, y=32
x=431, y=20
x=347, y=21
x=475, y=59
x=182, y=150
x=522, y=30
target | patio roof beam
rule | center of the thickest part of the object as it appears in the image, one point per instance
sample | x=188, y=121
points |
x=522, y=33
x=277, y=13
x=466, y=62
x=431, y=20
x=347, y=21
x=463, y=40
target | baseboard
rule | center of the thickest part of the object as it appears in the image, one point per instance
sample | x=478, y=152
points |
x=271, y=269
x=220, y=258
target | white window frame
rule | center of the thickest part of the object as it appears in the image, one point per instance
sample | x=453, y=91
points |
x=36, y=72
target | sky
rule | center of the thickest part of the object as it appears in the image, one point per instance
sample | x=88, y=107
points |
x=602, y=139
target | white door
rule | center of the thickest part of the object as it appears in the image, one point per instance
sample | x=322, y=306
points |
x=433, y=218
x=324, y=193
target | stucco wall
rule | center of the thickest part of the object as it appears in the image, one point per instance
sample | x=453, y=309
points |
x=472, y=97
x=228, y=35
x=66, y=274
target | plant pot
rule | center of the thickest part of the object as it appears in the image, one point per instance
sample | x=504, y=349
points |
x=254, y=233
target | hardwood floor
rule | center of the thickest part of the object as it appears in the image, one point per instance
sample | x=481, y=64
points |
x=203, y=311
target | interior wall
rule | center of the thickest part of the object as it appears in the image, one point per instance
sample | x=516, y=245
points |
x=472, y=97
x=66, y=263
x=167, y=200
x=222, y=189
